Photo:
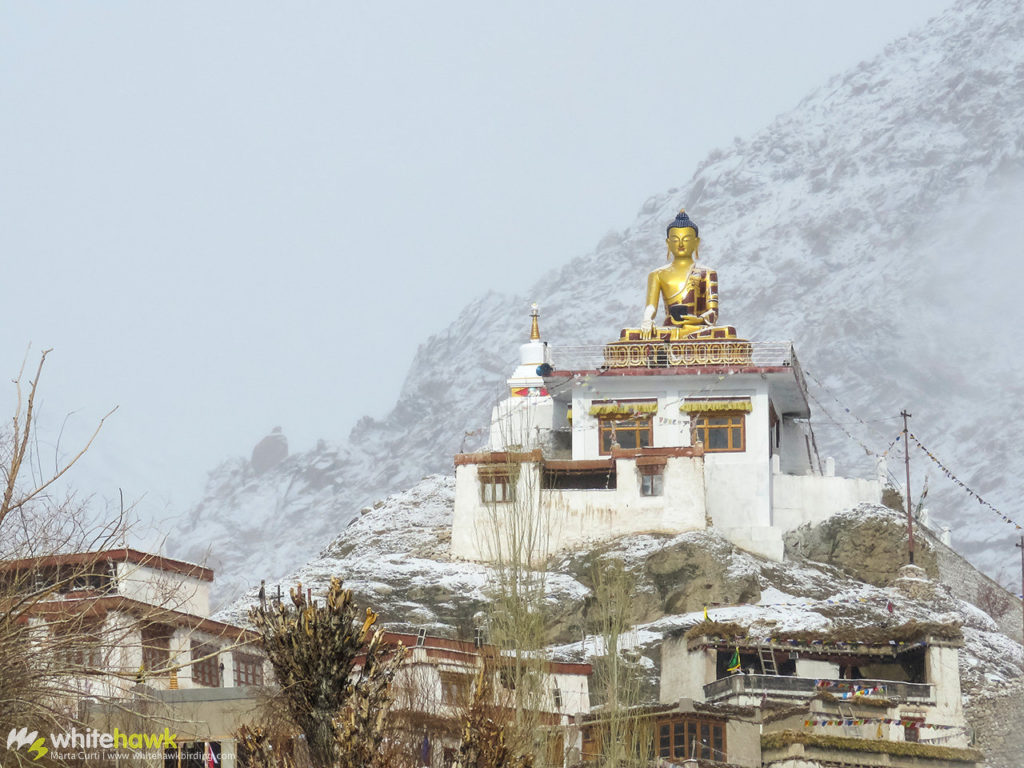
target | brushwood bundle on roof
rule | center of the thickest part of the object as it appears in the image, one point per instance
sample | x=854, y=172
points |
x=783, y=739
x=909, y=632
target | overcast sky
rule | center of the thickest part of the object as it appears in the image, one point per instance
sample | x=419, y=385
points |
x=229, y=216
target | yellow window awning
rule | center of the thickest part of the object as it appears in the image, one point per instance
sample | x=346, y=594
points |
x=623, y=410
x=707, y=406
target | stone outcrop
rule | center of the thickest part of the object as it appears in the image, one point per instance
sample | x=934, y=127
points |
x=868, y=542
x=269, y=452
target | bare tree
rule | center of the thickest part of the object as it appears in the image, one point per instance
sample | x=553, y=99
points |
x=627, y=737
x=516, y=538
x=993, y=600
x=50, y=650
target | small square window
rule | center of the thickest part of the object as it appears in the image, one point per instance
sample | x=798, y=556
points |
x=652, y=485
x=497, y=485
x=494, y=491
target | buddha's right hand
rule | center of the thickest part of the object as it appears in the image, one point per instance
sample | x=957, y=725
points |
x=647, y=325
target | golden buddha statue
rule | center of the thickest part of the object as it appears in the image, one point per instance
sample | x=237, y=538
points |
x=688, y=336
x=689, y=291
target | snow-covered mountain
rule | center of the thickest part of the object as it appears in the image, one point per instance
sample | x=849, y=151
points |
x=876, y=225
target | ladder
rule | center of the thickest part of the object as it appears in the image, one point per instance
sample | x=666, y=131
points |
x=849, y=730
x=767, y=657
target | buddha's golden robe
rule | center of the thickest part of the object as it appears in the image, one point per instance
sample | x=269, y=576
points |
x=691, y=302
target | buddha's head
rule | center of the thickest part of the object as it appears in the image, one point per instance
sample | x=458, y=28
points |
x=682, y=237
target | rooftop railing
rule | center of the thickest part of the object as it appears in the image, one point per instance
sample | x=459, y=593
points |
x=806, y=687
x=660, y=354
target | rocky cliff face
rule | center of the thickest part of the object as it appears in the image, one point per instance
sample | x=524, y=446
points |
x=876, y=225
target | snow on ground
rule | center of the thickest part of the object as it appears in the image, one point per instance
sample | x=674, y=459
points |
x=395, y=556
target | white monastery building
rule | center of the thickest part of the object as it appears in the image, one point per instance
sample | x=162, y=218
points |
x=668, y=429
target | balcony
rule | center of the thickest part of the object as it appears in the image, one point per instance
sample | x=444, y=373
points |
x=803, y=688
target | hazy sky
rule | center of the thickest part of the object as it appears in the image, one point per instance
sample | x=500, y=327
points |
x=230, y=216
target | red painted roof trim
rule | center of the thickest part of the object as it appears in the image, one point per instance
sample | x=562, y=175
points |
x=112, y=555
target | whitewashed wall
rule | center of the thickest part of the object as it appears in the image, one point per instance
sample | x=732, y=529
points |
x=164, y=588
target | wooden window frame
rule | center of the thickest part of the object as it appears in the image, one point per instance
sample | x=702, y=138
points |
x=156, y=647
x=206, y=672
x=497, y=484
x=676, y=737
x=912, y=725
x=639, y=427
x=652, y=484
x=248, y=669
x=701, y=430
x=455, y=688
x=82, y=648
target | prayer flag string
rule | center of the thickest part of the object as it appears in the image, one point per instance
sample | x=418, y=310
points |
x=905, y=722
x=970, y=491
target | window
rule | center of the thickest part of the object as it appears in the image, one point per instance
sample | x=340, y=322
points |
x=595, y=479
x=626, y=424
x=507, y=675
x=156, y=647
x=692, y=738
x=652, y=479
x=912, y=728
x=248, y=669
x=652, y=485
x=454, y=688
x=81, y=645
x=626, y=433
x=207, y=671
x=556, y=698
x=720, y=432
x=496, y=485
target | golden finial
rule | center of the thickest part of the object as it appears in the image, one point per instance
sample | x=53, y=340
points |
x=535, y=326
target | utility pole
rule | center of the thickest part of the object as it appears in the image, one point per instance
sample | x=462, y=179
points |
x=910, y=513
x=1021, y=545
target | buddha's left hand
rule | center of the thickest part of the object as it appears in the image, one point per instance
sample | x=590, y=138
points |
x=709, y=317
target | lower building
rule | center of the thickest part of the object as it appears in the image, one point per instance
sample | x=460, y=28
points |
x=868, y=696
x=434, y=689
x=125, y=642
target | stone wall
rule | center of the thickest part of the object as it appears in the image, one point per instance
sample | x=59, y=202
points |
x=997, y=716
x=971, y=585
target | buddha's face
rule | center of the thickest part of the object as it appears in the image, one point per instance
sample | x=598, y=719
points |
x=682, y=242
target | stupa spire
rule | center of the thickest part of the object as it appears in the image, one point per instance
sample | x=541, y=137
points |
x=534, y=322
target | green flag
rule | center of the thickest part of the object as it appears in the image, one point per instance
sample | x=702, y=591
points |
x=734, y=662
